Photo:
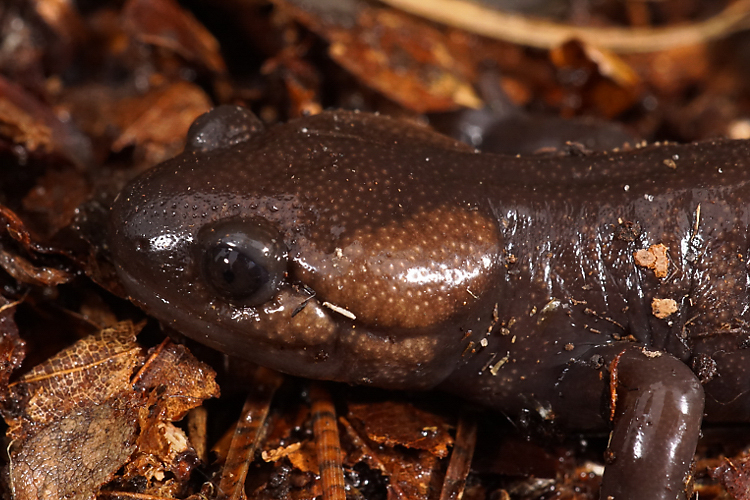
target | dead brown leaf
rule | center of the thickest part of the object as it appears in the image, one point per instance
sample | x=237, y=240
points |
x=73, y=420
x=734, y=475
x=300, y=454
x=21, y=128
x=24, y=271
x=416, y=474
x=153, y=122
x=63, y=18
x=26, y=121
x=157, y=122
x=398, y=423
x=71, y=457
x=56, y=196
x=182, y=380
x=76, y=418
x=611, y=85
x=12, y=348
x=94, y=370
x=163, y=453
x=401, y=56
x=20, y=267
x=165, y=24
x=176, y=382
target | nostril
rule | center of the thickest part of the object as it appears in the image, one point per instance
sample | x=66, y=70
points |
x=142, y=244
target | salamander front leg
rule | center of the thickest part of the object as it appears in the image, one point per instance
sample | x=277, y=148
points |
x=657, y=420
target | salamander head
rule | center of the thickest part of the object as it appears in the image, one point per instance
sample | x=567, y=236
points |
x=316, y=248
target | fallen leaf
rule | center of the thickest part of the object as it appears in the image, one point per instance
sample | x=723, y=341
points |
x=94, y=370
x=734, y=475
x=157, y=122
x=73, y=456
x=397, y=423
x=403, y=57
x=29, y=122
x=12, y=347
x=164, y=23
x=183, y=382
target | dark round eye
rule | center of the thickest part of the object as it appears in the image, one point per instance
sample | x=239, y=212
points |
x=242, y=259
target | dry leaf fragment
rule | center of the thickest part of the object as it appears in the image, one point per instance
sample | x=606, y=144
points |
x=158, y=121
x=734, y=475
x=416, y=472
x=405, y=58
x=164, y=23
x=72, y=457
x=662, y=308
x=305, y=458
x=56, y=196
x=280, y=452
x=23, y=270
x=20, y=268
x=613, y=86
x=62, y=17
x=31, y=123
x=94, y=370
x=12, y=348
x=301, y=455
x=655, y=258
x=16, y=229
x=72, y=419
x=175, y=382
x=183, y=382
x=22, y=128
x=163, y=451
x=76, y=419
x=393, y=423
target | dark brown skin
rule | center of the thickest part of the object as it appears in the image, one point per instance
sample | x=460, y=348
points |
x=512, y=131
x=381, y=253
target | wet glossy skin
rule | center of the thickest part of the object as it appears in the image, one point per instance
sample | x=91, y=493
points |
x=512, y=131
x=412, y=262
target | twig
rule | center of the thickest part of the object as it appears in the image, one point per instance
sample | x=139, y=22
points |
x=540, y=33
x=460, y=462
x=327, y=444
x=248, y=434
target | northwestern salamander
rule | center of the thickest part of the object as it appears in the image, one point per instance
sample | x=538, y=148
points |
x=580, y=291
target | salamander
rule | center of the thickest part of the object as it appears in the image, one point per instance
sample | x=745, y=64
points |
x=584, y=292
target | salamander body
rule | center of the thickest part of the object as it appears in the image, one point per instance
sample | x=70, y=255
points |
x=581, y=291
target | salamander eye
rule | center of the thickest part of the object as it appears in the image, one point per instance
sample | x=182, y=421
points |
x=242, y=259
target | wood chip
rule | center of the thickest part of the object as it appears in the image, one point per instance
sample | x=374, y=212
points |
x=655, y=258
x=663, y=308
